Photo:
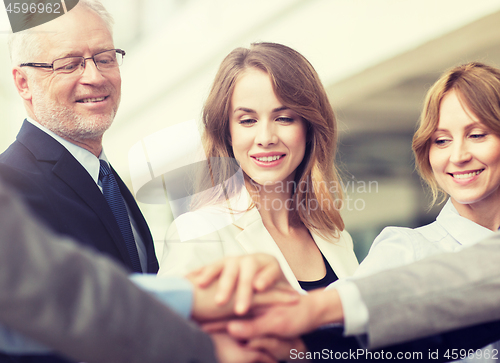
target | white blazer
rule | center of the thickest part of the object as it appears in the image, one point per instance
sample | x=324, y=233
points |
x=245, y=235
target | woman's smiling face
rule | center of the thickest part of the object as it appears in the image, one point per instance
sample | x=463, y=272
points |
x=268, y=139
x=465, y=154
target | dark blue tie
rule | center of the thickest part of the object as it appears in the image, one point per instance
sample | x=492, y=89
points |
x=112, y=194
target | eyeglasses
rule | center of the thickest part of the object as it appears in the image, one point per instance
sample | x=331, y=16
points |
x=106, y=60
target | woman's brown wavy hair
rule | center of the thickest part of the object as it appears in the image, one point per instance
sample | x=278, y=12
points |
x=297, y=85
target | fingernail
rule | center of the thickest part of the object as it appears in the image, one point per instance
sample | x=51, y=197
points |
x=240, y=308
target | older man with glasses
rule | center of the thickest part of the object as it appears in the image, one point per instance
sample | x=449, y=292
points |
x=67, y=73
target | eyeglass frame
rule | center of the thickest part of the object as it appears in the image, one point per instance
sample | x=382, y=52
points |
x=51, y=65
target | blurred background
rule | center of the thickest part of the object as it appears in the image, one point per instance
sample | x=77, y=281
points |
x=376, y=58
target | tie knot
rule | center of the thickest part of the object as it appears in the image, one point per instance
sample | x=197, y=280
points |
x=104, y=169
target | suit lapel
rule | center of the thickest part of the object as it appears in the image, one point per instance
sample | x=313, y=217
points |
x=46, y=149
x=255, y=238
x=339, y=255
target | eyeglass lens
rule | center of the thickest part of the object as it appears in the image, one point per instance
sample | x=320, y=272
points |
x=104, y=61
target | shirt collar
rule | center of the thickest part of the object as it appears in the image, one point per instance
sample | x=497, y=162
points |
x=83, y=156
x=465, y=231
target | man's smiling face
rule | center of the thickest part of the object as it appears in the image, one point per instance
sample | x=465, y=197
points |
x=76, y=106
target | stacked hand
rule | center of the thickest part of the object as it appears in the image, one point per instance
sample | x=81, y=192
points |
x=237, y=283
x=253, y=313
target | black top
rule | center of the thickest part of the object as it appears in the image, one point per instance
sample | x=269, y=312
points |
x=324, y=282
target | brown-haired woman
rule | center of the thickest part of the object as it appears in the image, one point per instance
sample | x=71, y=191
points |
x=268, y=110
x=457, y=151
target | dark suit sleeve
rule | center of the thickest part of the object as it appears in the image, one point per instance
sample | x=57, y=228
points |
x=81, y=303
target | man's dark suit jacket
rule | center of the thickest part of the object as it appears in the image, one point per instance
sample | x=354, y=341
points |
x=61, y=192
x=124, y=324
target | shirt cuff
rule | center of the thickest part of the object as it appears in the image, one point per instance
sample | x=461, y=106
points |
x=175, y=292
x=12, y=342
x=355, y=310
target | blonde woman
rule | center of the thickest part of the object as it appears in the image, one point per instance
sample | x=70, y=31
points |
x=457, y=150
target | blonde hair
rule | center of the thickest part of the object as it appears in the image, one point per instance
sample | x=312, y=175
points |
x=299, y=88
x=478, y=88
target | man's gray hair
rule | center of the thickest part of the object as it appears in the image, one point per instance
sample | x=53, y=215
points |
x=24, y=46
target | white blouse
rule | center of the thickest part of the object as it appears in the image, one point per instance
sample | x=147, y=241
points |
x=397, y=246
